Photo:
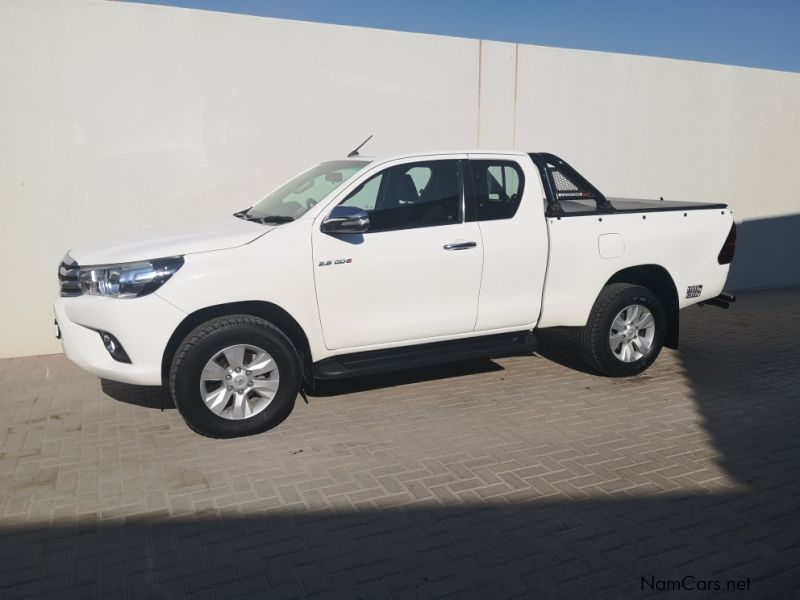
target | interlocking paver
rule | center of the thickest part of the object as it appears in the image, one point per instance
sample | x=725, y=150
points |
x=519, y=477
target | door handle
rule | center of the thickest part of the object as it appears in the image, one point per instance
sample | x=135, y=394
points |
x=460, y=245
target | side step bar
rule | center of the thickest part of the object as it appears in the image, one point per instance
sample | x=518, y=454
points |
x=407, y=357
x=724, y=300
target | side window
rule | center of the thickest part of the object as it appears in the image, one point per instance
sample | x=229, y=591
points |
x=498, y=188
x=421, y=176
x=366, y=195
x=413, y=195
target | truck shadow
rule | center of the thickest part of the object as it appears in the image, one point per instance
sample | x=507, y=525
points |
x=560, y=345
x=157, y=397
x=744, y=370
x=766, y=253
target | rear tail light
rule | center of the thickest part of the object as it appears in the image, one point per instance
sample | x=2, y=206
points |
x=728, y=248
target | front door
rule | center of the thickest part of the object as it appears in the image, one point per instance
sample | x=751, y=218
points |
x=414, y=275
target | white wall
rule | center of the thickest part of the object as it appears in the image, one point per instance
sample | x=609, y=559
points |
x=115, y=116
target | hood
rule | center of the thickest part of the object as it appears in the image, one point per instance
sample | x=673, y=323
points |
x=227, y=232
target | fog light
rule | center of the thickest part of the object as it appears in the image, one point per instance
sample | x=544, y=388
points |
x=114, y=348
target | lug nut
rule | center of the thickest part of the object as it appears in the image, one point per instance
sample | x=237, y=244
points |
x=240, y=392
x=230, y=387
x=249, y=383
x=249, y=372
x=227, y=376
x=238, y=369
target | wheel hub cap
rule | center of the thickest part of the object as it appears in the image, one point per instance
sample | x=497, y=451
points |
x=239, y=382
x=632, y=332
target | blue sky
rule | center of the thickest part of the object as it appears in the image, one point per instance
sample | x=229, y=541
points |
x=751, y=33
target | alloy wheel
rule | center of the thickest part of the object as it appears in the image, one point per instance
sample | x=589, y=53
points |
x=632, y=333
x=239, y=381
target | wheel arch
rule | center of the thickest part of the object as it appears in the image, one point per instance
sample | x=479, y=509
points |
x=261, y=309
x=657, y=279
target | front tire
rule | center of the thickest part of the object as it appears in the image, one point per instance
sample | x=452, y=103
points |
x=234, y=376
x=625, y=331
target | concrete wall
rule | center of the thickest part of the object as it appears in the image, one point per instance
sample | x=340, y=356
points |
x=116, y=116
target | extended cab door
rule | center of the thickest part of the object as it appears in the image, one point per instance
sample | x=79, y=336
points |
x=506, y=195
x=415, y=274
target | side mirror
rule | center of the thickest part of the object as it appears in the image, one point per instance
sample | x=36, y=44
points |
x=346, y=219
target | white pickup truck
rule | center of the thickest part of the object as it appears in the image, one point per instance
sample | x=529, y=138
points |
x=364, y=265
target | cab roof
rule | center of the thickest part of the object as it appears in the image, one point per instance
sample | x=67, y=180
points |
x=422, y=154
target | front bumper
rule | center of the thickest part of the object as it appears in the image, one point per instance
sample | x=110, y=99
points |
x=142, y=325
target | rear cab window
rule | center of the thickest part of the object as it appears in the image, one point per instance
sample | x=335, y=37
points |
x=497, y=187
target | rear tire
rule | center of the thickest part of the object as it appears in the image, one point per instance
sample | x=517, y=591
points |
x=234, y=376
x=625, y=331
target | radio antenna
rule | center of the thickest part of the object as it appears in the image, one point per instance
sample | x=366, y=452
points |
x=355, y=152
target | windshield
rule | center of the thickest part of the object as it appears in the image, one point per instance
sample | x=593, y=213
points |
x=295, y=197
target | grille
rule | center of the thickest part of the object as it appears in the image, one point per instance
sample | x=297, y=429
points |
x=68, y=279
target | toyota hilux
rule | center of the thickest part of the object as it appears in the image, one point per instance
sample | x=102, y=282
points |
x=364, y=265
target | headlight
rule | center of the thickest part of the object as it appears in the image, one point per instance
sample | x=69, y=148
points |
x=128, y=280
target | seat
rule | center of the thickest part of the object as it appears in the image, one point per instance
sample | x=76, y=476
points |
x=402, y=190
x=441, y=197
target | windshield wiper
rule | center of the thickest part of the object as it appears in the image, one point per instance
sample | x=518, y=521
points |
x=242, y=214
x=271, y=219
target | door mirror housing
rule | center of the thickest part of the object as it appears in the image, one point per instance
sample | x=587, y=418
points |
x=346, y=219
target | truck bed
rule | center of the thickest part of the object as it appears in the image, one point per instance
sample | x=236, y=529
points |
x=632, y=205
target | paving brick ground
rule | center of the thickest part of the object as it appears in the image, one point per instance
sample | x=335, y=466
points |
x=522, y=477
